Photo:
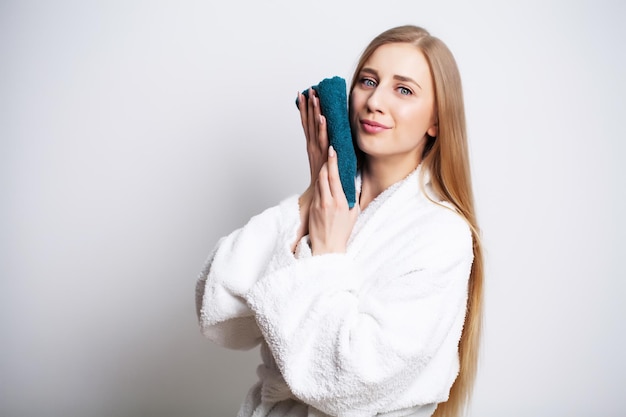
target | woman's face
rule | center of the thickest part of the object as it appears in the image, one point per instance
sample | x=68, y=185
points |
x=392, y=104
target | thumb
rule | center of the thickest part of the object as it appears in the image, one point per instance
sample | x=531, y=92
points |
x=333, y=174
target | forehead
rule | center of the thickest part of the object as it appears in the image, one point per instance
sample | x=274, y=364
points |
x=399, y=59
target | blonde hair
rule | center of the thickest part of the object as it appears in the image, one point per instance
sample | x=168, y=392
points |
x=446, y=157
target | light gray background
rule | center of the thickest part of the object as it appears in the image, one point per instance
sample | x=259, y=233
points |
x=134, y=134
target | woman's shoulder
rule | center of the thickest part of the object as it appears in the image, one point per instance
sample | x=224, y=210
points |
x=448, y=222
x=437, y=224
x=442, y=214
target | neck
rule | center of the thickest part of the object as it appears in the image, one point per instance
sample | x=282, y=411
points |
x=378, y=174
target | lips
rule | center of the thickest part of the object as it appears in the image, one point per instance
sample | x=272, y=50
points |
x=370, y=126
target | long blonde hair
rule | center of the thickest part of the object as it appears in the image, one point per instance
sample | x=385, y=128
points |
x=446, y=157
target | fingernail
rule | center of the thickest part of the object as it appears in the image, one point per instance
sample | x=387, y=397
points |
x=331, y=151
x=321, y=119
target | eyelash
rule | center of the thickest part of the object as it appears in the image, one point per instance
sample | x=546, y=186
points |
x=368, y=82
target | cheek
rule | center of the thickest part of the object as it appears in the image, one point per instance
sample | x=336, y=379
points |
x=416, y=117
x=354, y=102
x=353, y=111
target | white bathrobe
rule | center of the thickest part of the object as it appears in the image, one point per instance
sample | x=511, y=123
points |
x=370, y=332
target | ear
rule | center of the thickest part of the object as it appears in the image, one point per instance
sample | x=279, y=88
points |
x=433, y=130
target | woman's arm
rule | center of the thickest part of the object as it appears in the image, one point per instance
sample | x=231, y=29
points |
x=240, y=258
x=235, y=264
x=349, y=348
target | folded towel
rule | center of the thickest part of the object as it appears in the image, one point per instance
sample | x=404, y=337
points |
x=334, y=107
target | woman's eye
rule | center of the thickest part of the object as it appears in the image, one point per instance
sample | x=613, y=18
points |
x=367, y=82
x=405, y=91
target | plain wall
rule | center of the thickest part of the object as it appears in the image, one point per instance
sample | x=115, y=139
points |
x=134, y=134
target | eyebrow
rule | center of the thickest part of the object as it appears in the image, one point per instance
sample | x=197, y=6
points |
x=395, y=77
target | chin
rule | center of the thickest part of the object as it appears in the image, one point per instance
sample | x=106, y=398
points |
x=362, y=147
x=371, y=145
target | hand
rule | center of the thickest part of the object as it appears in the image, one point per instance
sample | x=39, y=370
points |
x=330, y=218
x=314, y=126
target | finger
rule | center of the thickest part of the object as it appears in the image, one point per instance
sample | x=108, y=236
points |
x=323, y=186
x=306, y=111
x=333, y=176
x=311, y=114
x=322, y=133
x=316, y=194
x=317, y=114
x=302, y=107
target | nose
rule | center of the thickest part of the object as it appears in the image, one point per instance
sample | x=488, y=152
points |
x=375, y=101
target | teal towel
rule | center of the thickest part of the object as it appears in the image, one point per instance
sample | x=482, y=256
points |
x=334, y=107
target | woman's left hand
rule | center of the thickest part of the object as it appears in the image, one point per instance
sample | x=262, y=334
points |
x=330, y=218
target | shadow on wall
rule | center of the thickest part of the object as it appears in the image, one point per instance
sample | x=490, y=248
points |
x=169, y=368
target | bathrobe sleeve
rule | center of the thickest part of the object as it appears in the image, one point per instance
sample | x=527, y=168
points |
x=236, y=263
x=352, y=349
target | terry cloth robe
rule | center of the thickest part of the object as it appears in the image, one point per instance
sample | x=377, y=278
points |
x=370, y=332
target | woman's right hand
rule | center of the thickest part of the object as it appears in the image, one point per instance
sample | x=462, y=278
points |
x=314, y=126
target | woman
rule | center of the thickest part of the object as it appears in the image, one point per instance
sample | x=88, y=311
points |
x=374, y=310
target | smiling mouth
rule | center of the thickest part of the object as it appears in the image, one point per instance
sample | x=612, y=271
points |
x=370, y=126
